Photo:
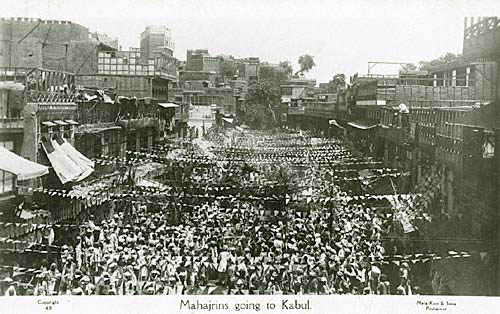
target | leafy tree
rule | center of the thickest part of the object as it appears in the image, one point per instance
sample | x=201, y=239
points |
x=337, y=82
x=227, y=69
x=287, y=66
x=262, y=99
x=306, y=63
x=272, y=75
x=448, y=57
x=410, y=67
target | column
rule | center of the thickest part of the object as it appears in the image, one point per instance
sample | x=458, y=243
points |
x=449, y=189
x=150, y=140
x=138, y=141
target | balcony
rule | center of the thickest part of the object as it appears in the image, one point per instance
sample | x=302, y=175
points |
x=50, y=97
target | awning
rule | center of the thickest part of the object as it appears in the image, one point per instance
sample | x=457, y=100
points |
x=168, y=105
x=75, y=155
x=24, y=169
x=68, y=163
x=335, y=123
x=228, y=120
x=60, y=122
x=49, y=123
x=363, y=124
x=72, y=122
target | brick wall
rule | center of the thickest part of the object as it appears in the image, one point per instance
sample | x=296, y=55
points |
x=37, y=43
x=26, y=54
x=82, y=57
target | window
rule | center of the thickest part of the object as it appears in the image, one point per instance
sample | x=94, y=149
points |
x=6, y=178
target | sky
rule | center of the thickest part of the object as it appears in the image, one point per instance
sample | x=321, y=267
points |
x=341, y=35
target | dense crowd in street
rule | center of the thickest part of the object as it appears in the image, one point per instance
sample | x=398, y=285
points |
x=235, y=245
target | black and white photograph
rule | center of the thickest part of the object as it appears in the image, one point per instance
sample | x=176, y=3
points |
x=256, y=148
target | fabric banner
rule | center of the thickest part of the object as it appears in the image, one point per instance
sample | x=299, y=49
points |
x=85, y=164
x=24, y=169
x=65, y=168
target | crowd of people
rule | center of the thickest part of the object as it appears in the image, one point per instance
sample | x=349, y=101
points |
x=235, y=246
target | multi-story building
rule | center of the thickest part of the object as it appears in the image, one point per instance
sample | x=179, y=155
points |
x=248, y=68
x=194, y=60
x=124, y=72
x=156, y=40
x=207, y=80
x=295, y=94
x=41, y=139
x=53, y=45
x=441, y=127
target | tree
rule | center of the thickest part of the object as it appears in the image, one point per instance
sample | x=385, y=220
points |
x=262, y=99
x=306, y=63
x=448, y=57
x=273, y=75
x=410, y=67
x=227, y=69
x=337, y=82
x=287, y=66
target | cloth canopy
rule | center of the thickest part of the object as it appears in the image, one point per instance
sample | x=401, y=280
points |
x=78, y=158
x=335, y=123
x=49, y=123
x=363, y=124
x=168, y=105
x=228, y=120
x=60, y=122
x=72, y=122
x=24, y=169
x=68, y=163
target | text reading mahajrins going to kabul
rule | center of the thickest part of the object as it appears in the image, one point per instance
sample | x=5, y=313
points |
x=244, y=306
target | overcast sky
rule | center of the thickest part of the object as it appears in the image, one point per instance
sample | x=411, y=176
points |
x=342, y=35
